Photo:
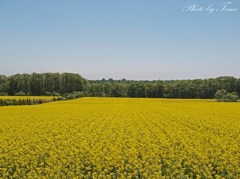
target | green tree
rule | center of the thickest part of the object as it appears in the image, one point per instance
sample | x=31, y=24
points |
x=220, y=93
x=230, y=97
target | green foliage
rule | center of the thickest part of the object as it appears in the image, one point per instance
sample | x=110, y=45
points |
x=73, y=95
x=137, y=90
x=198, y=88
x=230, y=97
x=235, y=93
x=27, y=101
x=220, y=93
x=65, y=84
x=223, y=95
x=21, y=93
x=52, y=94
x=36, y=84
x=3, y=94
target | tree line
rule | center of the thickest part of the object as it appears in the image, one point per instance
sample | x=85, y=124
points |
x=198, y=88
x=35, y=84
x=57, y=84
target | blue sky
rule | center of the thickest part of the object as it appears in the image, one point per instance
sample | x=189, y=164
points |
x=133, y=39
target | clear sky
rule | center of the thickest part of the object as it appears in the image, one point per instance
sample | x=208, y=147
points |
x=133, y=39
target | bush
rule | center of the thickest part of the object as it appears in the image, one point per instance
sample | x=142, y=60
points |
x=235, y=93
x=21, y=93
x=230, y=97
x=48, y=93
x=52, y=94
x=73, y=95
x=56, y=93
x=3, y=94
x=78, y=94
x=223, y=95
x=220, y=93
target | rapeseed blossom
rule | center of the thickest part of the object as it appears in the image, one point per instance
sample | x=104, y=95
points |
x=121, y=138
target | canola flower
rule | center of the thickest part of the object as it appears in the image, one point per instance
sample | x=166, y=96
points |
x=121, y=138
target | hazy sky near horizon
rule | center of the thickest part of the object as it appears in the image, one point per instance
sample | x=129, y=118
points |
x=133, y=39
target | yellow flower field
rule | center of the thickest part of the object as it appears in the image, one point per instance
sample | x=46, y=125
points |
x=121, y=138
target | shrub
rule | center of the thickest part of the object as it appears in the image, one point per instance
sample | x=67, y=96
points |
x=48, y=93
x=52, y=94
x=220, y=93
x=73, y=95
x=223, y=95
x=21, y=93
x=230, y=97
x=3, y=94
x=55, y=93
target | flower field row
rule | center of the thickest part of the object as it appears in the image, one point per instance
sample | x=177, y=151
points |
x=121, y=138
